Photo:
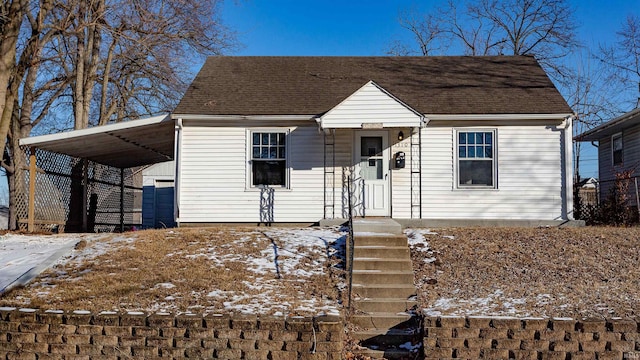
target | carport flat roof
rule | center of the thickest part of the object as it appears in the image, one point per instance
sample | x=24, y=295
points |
x=122, y=145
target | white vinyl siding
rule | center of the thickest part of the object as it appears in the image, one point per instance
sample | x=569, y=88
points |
x=213, y=175
x=401, y=178
x=529, y=176
x=370, y=105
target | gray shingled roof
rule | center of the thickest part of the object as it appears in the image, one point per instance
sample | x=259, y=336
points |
x=314, y=85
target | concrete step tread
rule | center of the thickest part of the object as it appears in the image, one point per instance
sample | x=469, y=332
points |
x=391, y=299
x=386, y=286
x=372, y=291
x=380, y=314
x=369, y=305
x=369, y=333
x=384, y=321
x=372, y=225
x=379, y=247
x=385, y=259
x=371, y=234
x=376, y=271
x=386, y=354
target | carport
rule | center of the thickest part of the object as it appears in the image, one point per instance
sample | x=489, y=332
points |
x=78, y=180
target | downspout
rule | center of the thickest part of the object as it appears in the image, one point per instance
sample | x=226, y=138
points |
x=568, y=167
x=176, y=180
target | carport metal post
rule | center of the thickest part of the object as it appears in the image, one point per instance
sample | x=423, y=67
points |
x=31, y=216
x=85, y=188
x=121, y=200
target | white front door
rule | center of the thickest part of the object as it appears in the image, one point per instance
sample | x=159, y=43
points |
x=372, y=165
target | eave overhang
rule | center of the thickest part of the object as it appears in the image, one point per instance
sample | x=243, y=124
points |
x=611, y=127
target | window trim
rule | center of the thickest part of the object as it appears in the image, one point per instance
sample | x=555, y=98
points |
x=456, y=159
x=613, y=158
x=249, y=157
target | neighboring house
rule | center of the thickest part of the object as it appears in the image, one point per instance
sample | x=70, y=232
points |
x=158, y=195
x=274, y=139
x=588, y=183
x=282, y=139
x=588, y=191
x=618, y=151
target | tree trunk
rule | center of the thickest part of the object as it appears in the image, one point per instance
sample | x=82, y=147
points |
x=17, y=172
x=8, y=43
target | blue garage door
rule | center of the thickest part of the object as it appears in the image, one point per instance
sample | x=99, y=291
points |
x=164, y=204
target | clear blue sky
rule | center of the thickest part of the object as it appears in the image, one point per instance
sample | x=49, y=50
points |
x=366, y=28
x=288, y=27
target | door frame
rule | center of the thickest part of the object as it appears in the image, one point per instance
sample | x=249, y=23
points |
x=386, y=166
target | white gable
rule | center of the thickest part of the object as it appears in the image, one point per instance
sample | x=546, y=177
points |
x=373, y=106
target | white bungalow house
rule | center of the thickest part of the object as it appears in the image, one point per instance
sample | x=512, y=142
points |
x=274, y=139
x=423, y=140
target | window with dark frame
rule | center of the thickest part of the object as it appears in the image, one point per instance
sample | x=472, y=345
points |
x=476, y=159
x=616, y=149
x=268, y=158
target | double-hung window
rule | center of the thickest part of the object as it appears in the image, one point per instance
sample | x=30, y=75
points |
x=268, y=158
x=616, y=149
x=476, y=159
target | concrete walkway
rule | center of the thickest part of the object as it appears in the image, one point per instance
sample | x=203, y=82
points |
x=23, y=257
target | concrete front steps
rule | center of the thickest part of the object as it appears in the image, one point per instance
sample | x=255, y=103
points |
x=384, y=293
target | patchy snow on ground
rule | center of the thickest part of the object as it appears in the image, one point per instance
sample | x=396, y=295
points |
x=528, y=272
x=293, y=255
x=417, y=239
x=21, y=253
x=494, y=303
x=277, y=271
x=418, y=242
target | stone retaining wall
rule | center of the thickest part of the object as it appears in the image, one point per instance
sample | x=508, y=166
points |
x=31, y=334
x=513, y=338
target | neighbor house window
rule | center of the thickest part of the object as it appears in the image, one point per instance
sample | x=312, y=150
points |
x=616, y=149
x=268, y=158
x=476, y=159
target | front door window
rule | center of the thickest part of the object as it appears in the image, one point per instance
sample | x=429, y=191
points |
x=371, y=157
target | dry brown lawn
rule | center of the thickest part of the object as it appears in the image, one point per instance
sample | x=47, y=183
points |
x=248, y=270
x=546, y=272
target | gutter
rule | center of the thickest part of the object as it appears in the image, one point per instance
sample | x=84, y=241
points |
x=500, y=117
x=244, y=117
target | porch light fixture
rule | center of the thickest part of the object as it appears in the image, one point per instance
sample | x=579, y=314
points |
x=400, y=135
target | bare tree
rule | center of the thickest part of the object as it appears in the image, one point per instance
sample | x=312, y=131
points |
x=623, y=58
x=541, y=28
x=11, y=19
x=131, y=58
x=97, y=61
x=24, y=89
x=592, y=97
x=426, y=30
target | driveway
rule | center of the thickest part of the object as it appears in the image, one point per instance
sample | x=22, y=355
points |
x=22, y=257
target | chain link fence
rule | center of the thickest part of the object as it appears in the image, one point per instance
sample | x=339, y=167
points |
x=112, y=201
